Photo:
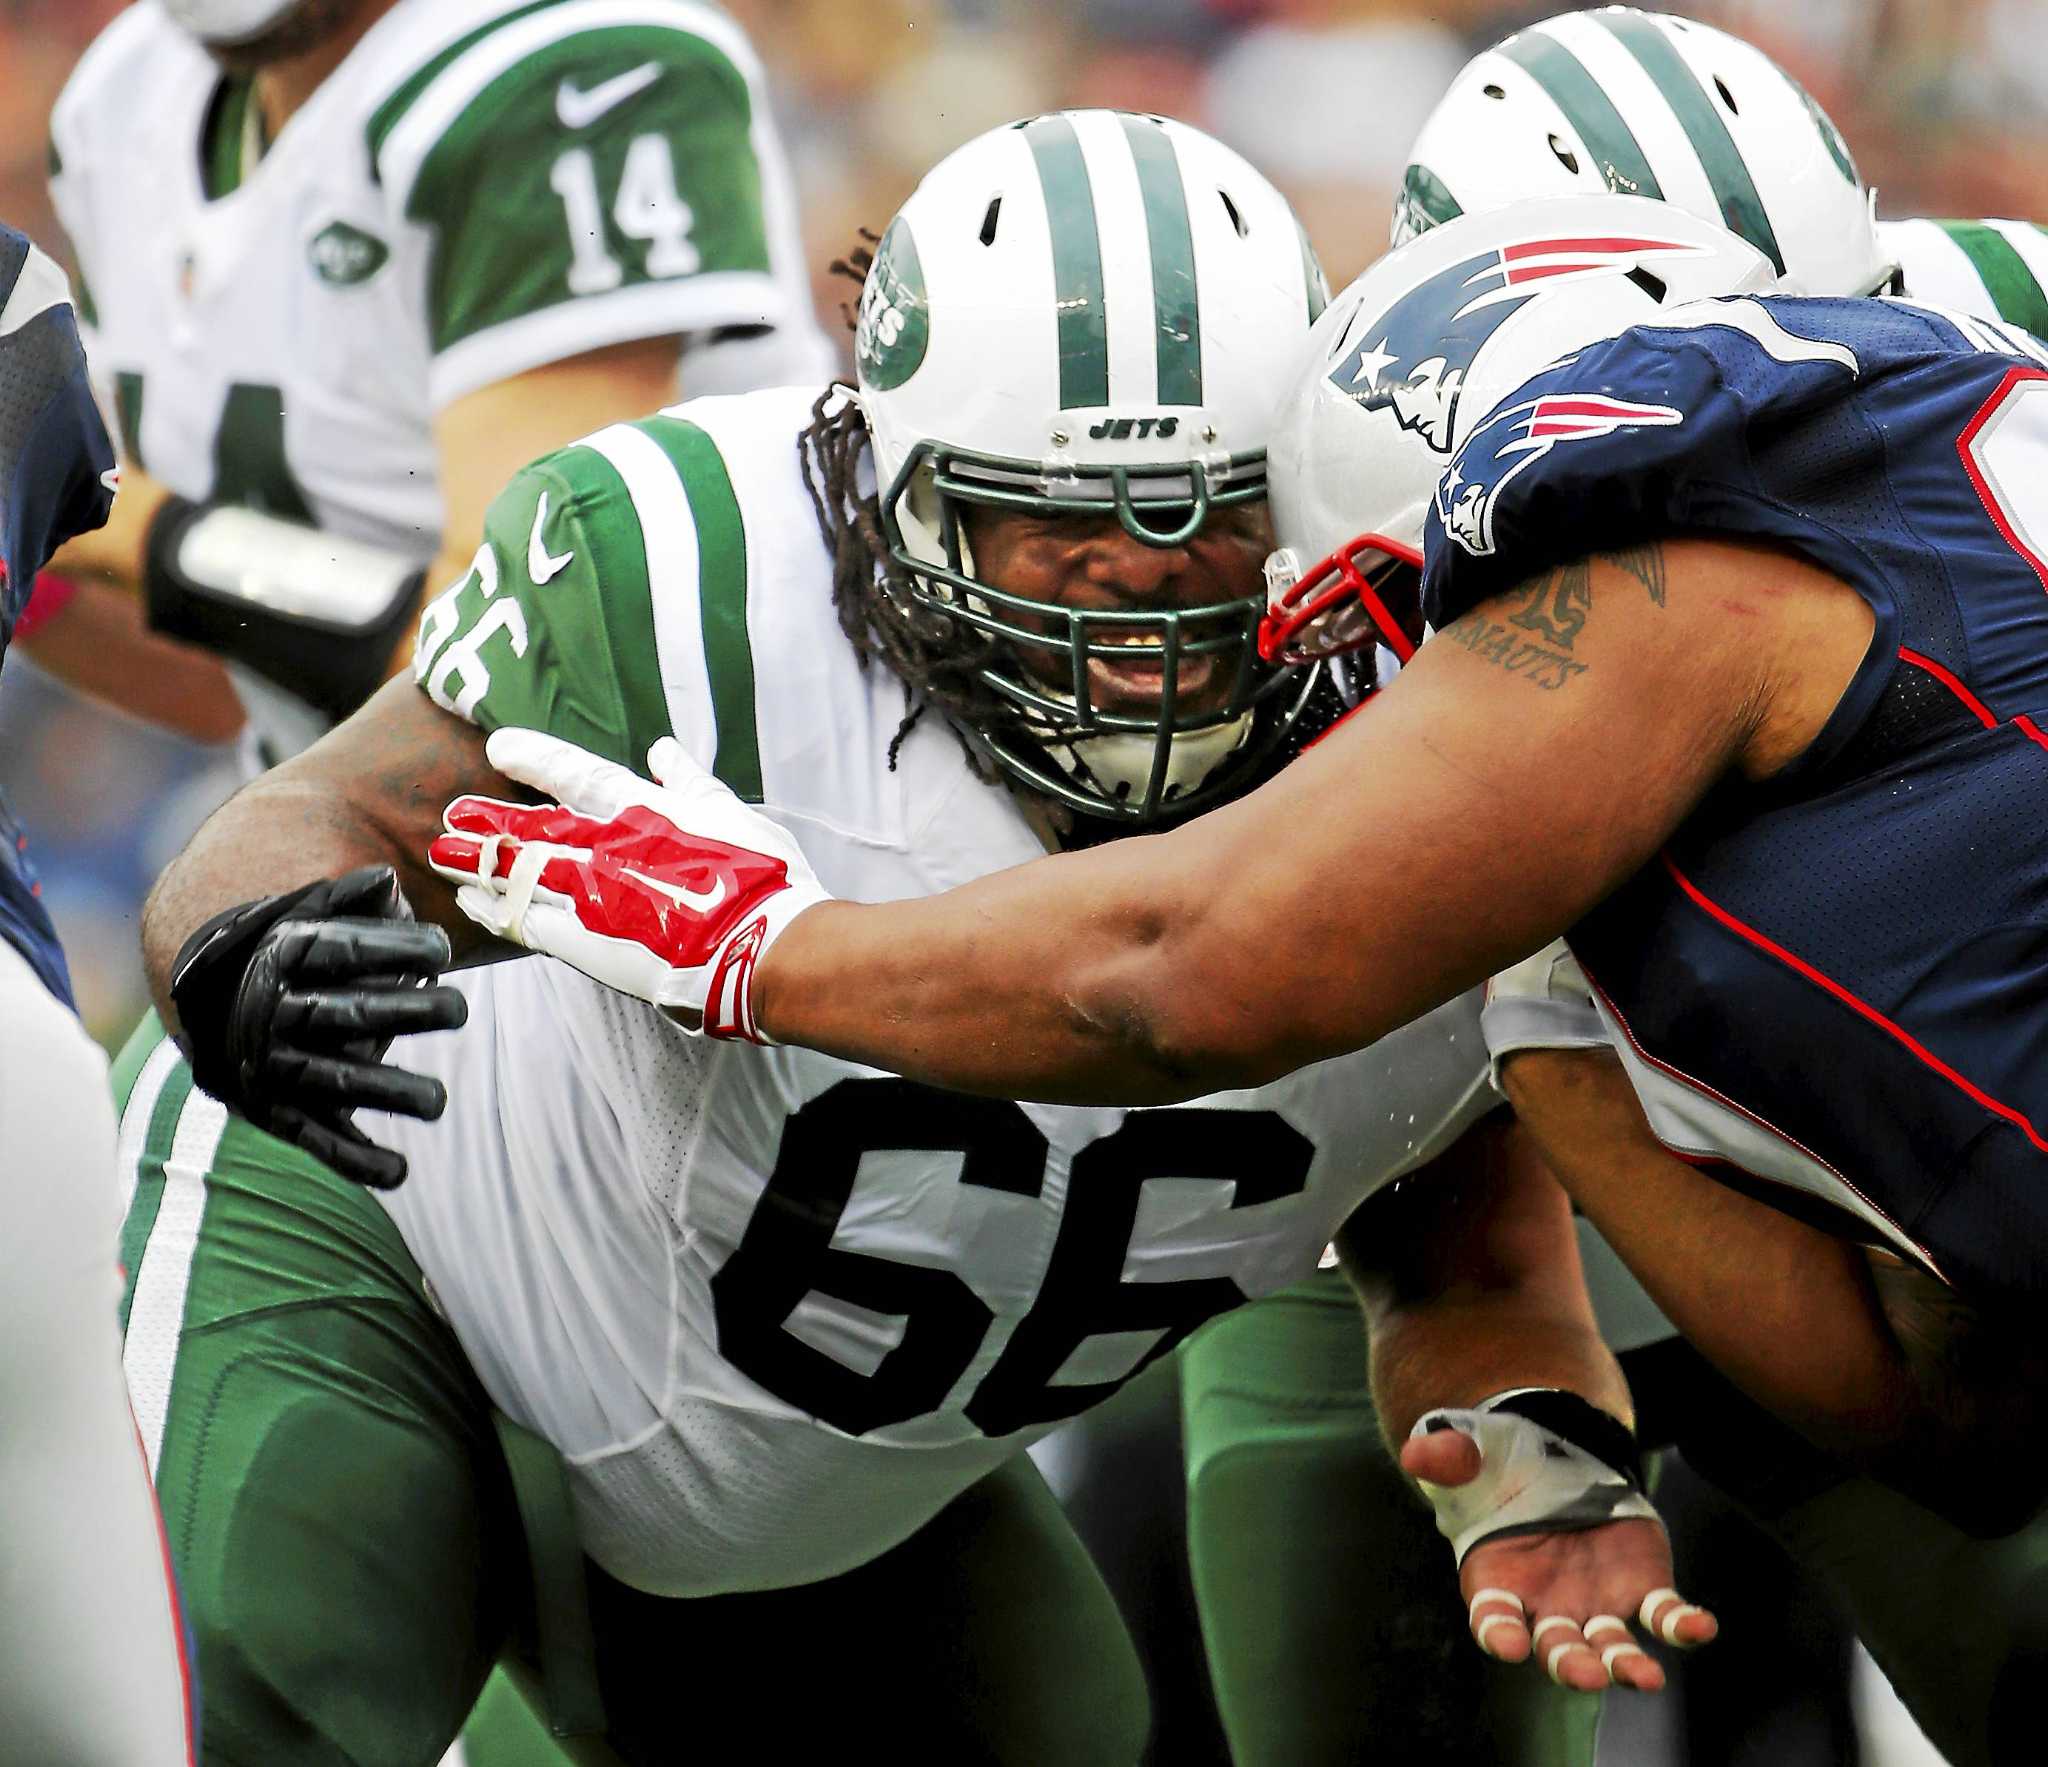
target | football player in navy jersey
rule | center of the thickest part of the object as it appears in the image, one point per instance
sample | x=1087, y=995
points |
x=89, y=1629
x=1764, y=754
x=1284, y=1460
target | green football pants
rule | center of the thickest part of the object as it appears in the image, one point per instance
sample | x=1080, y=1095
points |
x=345, y=1532
x=1333, y=1626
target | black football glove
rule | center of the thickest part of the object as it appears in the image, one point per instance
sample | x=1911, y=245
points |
x=287, y=1005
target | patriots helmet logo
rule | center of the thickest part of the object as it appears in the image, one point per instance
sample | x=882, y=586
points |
x=1415, y=358
x=1514, y=439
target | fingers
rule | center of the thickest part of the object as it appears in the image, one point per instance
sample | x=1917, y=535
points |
x=341, y=1146
x=585, y=782
x=338, y=1084
x=1668, y=1615
x=335, y=1017
x=1622, y=1659
x=1498, y=1625
x=342, y=950
x=1561, y=1647
x=370, y=891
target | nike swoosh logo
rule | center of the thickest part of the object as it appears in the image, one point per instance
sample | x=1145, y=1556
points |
x=697, y=901
x=541, y=564
x=578, y=109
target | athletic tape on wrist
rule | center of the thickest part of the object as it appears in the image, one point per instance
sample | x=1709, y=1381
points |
x=1550, y=1462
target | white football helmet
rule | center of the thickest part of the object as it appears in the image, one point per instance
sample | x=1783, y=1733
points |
x=1645, y=104
x=1088, y=313
x=226, y=23
x=1412, y=356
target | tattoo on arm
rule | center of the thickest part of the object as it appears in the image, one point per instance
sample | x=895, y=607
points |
x=1545, y=615
x=1646, y=565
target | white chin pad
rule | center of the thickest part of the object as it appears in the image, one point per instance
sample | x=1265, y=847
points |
x=228, y=21
x=1125, y=758
x=1531, y=1480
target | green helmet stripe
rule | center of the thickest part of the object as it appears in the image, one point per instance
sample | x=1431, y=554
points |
x=2013, y=288
x=1742, y=209
x=1176, y=301
x=1076, y=261
x=721, y=600
x=1588, y=109
x=1428, y=198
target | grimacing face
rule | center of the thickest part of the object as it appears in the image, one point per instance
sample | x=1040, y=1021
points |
x=1089, y=563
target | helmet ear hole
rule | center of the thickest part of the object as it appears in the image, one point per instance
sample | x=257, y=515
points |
x=1727, y=97
x=1650, y=283
x=1495, y=92
x=1565, y=157
x=1230, y=209
x=988, y=221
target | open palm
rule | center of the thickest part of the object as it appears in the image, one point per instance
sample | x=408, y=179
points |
x=1566, y=1598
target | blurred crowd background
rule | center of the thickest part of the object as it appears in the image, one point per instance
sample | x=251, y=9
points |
x=1945, y=103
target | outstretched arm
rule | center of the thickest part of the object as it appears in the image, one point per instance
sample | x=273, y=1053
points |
x=1531, y=757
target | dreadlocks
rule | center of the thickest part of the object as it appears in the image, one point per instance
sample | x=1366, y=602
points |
x=938, y=659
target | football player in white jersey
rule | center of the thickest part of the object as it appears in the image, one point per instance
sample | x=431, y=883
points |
x=1280, y=1428
x=788, y=1321
x=346, y=265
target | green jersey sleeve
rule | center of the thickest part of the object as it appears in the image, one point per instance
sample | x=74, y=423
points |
x=601, y=187
x=552, y=628
x=608, y=605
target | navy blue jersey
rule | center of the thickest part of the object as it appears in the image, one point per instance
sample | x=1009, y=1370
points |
x=1848, y=962
x=56, y=480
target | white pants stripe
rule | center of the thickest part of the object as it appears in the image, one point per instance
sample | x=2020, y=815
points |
x=157, y=1314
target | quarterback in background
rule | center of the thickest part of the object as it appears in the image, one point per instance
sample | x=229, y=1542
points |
x=346, y=265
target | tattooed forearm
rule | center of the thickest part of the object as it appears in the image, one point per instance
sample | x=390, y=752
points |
x=1646, y=565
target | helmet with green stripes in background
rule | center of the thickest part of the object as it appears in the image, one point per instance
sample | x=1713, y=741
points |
x=1645, y=104
x=1988, y=269
x=1093, y=314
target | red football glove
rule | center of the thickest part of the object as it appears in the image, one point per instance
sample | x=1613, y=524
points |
x=669, y=891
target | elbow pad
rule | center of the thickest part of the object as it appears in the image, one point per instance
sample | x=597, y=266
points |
x=315, y=613
x=1550, y=1463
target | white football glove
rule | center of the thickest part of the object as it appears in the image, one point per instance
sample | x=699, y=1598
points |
x=669, y=892
x=1543, y=1002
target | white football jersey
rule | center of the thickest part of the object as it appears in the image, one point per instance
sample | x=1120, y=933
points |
x=776, y=1309
x=479, y=188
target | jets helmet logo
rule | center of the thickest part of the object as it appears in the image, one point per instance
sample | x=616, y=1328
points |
x=1414, y=359
x=1515, y=438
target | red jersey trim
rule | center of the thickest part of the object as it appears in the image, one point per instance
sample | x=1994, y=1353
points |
x=1863, y=1008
